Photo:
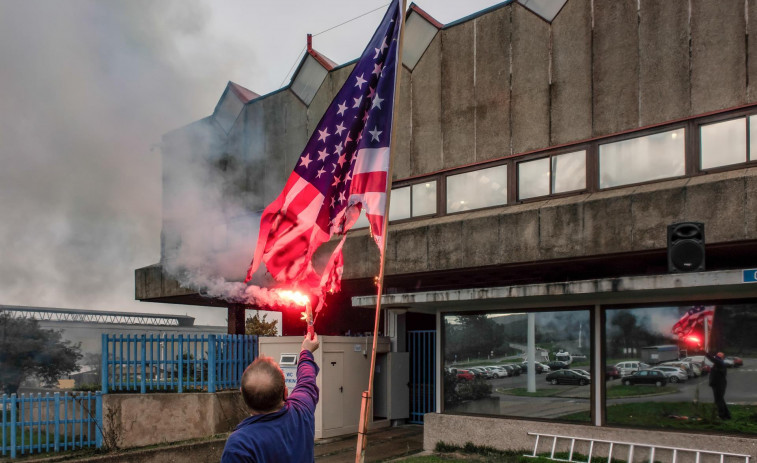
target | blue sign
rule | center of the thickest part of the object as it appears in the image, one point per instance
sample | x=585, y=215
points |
x=750, y=276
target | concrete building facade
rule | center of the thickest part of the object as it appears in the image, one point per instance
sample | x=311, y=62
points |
x=541, y=154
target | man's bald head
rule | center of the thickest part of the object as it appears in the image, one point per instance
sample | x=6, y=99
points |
x=263, y=388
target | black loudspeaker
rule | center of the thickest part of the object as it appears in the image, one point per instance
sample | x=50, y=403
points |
x=686, y=247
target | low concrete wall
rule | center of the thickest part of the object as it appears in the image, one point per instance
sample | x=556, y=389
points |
x=146, y=419
x=508, y=434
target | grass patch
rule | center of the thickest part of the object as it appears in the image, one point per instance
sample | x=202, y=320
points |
x=619, y=391
x=480, y=453
x=678, y=415
x=523, y=392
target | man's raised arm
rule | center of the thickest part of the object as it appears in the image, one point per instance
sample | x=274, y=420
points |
x=305, y=392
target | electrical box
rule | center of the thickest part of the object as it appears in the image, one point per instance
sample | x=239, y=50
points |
x=288, y=364
x=345, y=363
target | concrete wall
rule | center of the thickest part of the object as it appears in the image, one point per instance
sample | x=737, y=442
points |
x=629, y=219
x=507, y=434
x=147, y=419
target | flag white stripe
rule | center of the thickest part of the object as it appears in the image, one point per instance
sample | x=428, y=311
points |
x=371, y=160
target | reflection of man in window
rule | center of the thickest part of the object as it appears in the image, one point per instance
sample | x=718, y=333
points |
x=718, y=383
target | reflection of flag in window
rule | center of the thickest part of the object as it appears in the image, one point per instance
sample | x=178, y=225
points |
x=343, y=170
x=693, y=317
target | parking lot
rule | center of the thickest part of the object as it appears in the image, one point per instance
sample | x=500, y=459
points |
x=569, y=399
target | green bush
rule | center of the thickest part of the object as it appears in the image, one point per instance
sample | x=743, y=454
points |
x=474, y=390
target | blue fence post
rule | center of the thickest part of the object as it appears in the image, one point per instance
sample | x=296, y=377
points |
x=13, y=426
x=212, y=363
x=143, y=384
x=99, y=418
x=56, y=415
x=104, y=364
x=181, y=363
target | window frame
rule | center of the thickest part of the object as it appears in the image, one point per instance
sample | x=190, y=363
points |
x=592, y=340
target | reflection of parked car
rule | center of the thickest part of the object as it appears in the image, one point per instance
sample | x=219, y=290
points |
x=464, y=375
x=518, y=367
x=567, y=377
x=496, y=372
x=674, y=374
x=645, y=377
x=626, y=368
x=511, y=370
x=582, y=372
x=692, y=369
x=478, y=371
x=557, y=365
x=611, y=372
x=539, y=367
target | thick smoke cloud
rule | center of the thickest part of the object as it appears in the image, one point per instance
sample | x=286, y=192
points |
x=87, y=89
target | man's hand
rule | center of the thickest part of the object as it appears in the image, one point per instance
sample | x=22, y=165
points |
x=310, y=343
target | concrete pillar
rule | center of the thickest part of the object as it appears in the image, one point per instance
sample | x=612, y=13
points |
x=236, y=318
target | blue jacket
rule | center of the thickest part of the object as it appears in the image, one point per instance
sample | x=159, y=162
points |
x=285, y=436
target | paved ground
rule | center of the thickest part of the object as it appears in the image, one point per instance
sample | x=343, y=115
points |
x=383, y=444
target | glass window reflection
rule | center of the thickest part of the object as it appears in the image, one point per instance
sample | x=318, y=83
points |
x=642, y=159
x=674, y=341
x=399, y=204
x=753, y=138
x=569, y=172
x=477, y=189
x=488, y=359
x=723, y=143
x=533, y=178
x=424, y=198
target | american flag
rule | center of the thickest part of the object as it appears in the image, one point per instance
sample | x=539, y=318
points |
x=343, y=169
x=693, y=317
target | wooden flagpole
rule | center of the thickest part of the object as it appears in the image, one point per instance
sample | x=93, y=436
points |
x=367, y=399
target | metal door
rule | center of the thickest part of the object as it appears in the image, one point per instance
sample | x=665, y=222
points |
x=422, y=348
x=333, y=390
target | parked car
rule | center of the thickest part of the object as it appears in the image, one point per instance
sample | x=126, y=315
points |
x=517, y=367
x=540, y=368
x=700, y=360
x=567, y=377
x=738, y=361
x=557, y=365
x=645, y=377
x=512, y=370
x=692, y=369
x=732, y=362
x=496, y=372
x=674, y=374
x=464, y=375
x=626, y=368
x=611, y=372
x=582, y=372
x=478, y=371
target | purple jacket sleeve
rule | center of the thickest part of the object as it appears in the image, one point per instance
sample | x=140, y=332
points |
x=305, y=392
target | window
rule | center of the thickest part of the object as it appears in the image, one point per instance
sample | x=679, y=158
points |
x=424, y=199
x=533, y=178
x=723, y=143
x=556, y=174
x=473, y=342
x=406, y=202
x=642, y=159
x=399, y=204
x=670, y=384
x=477, y=189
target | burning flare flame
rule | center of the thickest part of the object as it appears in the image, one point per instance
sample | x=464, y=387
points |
x=295, y=297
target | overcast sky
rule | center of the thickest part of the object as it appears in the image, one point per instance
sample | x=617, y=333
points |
x=87, y=88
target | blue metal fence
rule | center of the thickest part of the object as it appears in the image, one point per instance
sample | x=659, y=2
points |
x=422, y=348
x=173, y=363
x=50, y=423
